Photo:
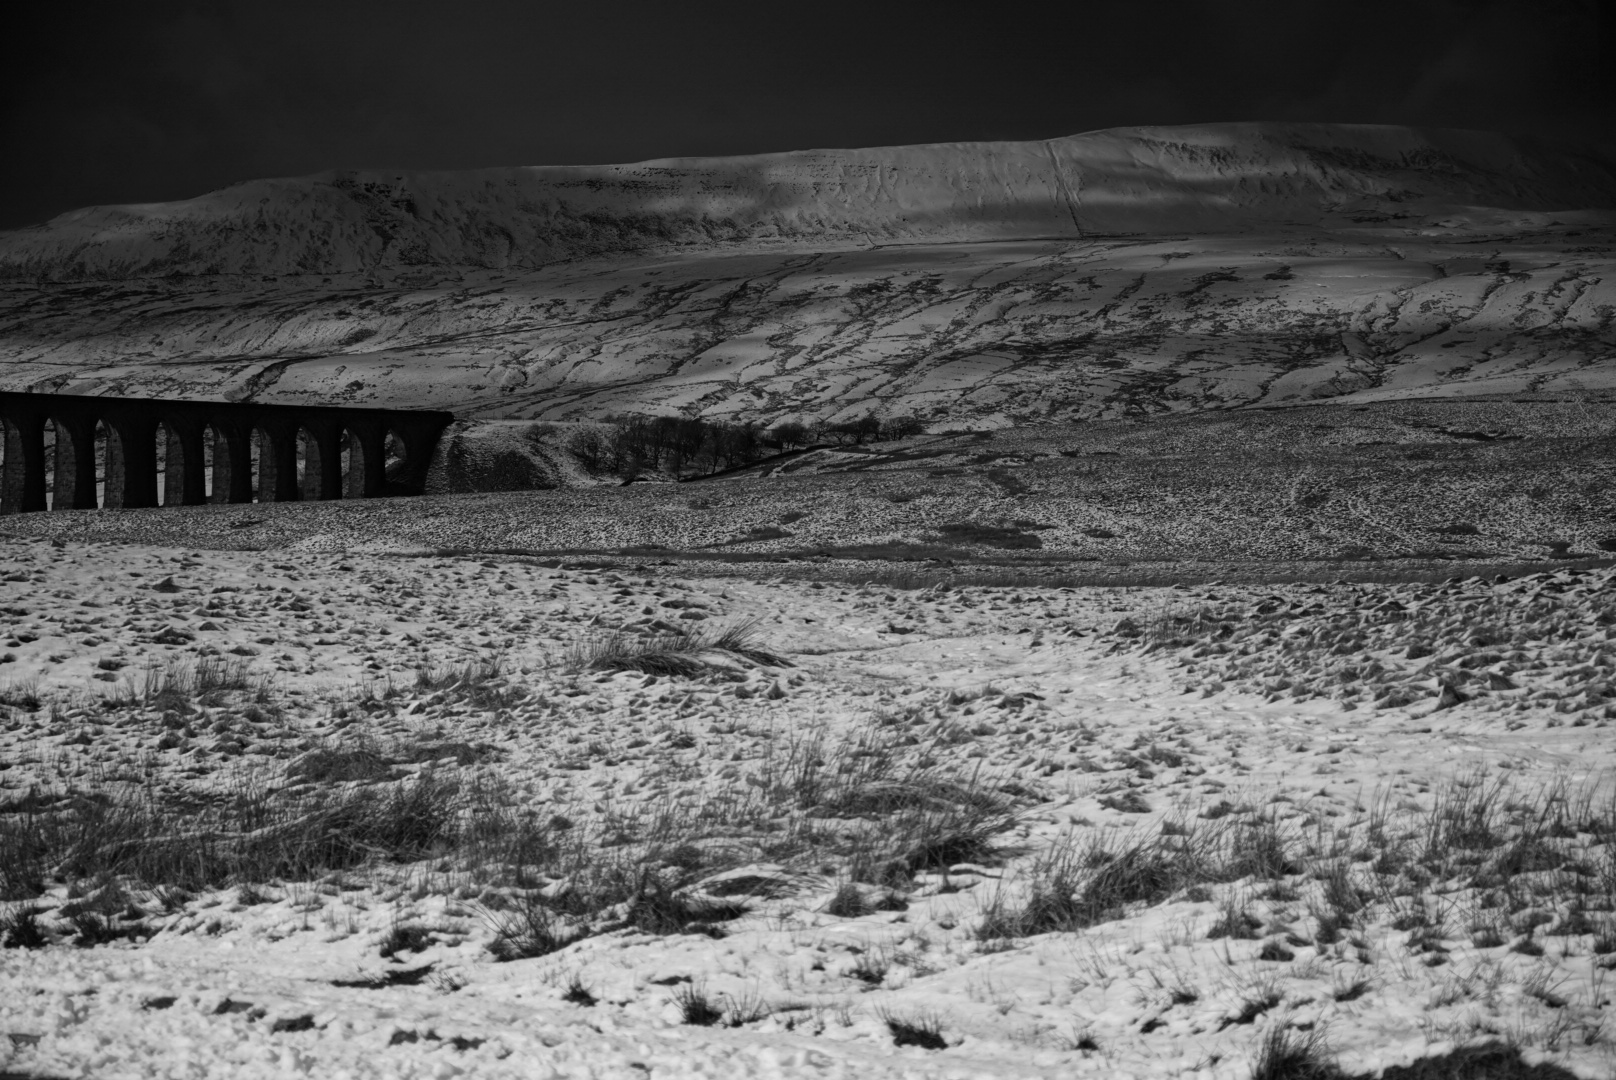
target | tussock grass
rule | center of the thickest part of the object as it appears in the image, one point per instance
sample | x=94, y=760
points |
x=363, y=759
x=907, y=812
x=184, y=686
x=248, y=835
x=578, y=994
x=479, y=683
x=695, y=1007
x=531, y=929
x=924, y=1030
x=1481, y=837
x=21, y=694
x=1283, y=1054
x=682, y=653
x=20, y=929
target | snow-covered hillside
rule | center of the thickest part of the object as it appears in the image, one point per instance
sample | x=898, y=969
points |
x=1122, y=272
x=987, y=333
x=1156, y=180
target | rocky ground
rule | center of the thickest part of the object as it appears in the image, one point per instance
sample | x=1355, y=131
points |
x=1354, y=488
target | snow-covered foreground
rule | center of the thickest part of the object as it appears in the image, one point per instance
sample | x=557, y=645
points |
x=1041, y=697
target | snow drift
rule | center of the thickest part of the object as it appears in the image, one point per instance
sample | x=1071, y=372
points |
x=1143, y=180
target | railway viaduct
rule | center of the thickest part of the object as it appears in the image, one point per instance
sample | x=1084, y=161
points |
x=81, y=452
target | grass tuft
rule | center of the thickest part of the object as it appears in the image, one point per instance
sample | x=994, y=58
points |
x=695, y=1007
x=924, y=1030
x=20, y=929
x=578, y=994
x=1287, y=1055
x=679, y=653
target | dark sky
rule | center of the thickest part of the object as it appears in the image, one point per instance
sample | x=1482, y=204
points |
x=152, y=100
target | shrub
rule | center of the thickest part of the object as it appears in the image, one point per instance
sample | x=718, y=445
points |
x=902, y=427
x=789, y=433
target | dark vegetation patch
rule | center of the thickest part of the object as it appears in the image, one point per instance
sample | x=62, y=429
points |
x=687, y=447
x=924, y=1031
x=392, y=977
x=250, y=835
x=1487, y=1061
x=995, y=536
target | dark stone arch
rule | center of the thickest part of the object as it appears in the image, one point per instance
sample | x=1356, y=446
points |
x=231, y=465
x=58, y=448
x=22, y=472
x=131, y=462
x=276, y=445
x=367, y=462
x=184, y=481
x=319, y=449
x=73, y=468
x=401, y=456
x=353, y=465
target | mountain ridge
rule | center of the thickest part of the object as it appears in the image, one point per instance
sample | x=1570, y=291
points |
x=1215, y=178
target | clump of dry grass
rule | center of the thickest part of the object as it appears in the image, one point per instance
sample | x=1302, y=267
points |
x=481, y=684
x=1553, y=849
x=681, y=653
x=249, y=835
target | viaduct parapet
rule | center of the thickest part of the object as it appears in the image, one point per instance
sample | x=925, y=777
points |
x=80, y=452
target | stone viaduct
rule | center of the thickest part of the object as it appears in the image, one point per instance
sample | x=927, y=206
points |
x=80, y=452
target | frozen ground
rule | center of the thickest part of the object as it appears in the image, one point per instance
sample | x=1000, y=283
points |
x=1046, y=698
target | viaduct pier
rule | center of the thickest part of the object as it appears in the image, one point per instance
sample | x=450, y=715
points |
x=82, y=452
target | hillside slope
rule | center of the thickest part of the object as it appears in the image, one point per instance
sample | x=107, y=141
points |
x=991, y=333
x=1123, y=272
x=1157, y=180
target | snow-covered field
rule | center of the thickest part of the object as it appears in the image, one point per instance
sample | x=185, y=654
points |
x=1044, y=706
x=559, y=783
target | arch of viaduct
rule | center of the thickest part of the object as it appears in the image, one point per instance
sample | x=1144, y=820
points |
x=207, y=453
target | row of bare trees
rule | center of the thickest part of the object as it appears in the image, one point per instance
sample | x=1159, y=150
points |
x=630, y=445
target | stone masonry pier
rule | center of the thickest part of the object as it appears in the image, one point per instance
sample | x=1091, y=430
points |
x=80, y=452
